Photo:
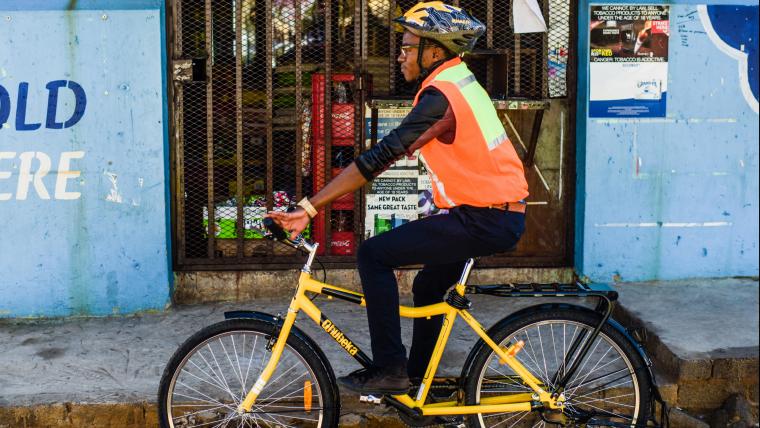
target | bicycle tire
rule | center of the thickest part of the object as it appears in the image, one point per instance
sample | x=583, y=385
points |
x=623, y=402
x=196, y=388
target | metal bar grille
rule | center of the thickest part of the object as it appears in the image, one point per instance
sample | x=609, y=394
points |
x=210, y=133
x=239, y=127
x=275, y=108
x=299, y=103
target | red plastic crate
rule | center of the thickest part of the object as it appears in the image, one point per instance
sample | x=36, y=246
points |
x=318, y=231
x=345, y=202
x=342, y=243
x=343, y=134
x=342, y=117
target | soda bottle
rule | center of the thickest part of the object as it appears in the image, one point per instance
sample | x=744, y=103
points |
x=341, y=93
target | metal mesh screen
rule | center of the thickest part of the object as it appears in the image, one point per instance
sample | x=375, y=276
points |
x=559, y=47
x=275, y=108
x=508, y=65
x=195, y=189
x=255, y=135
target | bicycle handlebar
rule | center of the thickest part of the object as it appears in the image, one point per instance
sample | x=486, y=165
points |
x=281, y=235
x=278, y=232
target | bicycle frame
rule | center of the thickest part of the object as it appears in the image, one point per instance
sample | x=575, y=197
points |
x=508, y=403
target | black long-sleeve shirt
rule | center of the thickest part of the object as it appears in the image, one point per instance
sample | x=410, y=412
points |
x=430, y=118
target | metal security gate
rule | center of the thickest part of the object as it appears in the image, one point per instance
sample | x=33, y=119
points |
x=252, y=82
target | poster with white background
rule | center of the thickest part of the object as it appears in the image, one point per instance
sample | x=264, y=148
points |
x=628, y=57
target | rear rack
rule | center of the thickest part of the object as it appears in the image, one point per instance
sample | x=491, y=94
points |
x=545, y=290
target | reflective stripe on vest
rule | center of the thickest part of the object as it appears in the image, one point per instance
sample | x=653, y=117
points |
x=478, y=168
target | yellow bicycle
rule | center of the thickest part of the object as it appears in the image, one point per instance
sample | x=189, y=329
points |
x=553, y=363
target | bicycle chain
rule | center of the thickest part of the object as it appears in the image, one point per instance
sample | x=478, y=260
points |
x=429, y=421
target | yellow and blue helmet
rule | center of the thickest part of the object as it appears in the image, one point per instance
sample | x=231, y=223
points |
x=448, y=25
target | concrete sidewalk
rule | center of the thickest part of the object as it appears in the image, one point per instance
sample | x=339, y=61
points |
x=57, y=366
x=702, y=336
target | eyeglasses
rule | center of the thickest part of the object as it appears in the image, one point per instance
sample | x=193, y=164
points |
x=405, y=49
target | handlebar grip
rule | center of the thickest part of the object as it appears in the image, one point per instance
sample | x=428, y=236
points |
x=278, y=232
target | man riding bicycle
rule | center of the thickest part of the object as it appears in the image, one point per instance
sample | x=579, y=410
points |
x=475, y=173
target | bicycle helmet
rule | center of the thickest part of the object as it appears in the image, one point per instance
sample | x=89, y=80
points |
x=450, y=26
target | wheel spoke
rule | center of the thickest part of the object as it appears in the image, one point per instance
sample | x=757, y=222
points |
x=604, y=383
x=202, y=388
x=212, y=376
x=237, y=364
x=593, y=368
x=543, y=357
x=577, y=397
x=534, y=358
x=624, y=369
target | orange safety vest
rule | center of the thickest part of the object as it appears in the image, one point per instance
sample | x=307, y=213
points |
x=480, y=168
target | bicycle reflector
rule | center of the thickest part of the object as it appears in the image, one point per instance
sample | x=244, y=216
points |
x=513, y=350
x=307, y=395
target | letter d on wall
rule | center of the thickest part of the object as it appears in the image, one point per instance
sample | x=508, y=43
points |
x=81, y=104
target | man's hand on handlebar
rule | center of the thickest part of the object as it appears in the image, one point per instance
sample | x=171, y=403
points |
x=294, y=222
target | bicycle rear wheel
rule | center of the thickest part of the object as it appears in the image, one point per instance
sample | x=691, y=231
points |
x=210, y=374
x=610, y=388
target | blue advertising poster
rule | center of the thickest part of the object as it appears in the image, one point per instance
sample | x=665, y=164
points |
x=628, y=60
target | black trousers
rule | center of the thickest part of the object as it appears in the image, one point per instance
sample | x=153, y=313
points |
x=442, y=243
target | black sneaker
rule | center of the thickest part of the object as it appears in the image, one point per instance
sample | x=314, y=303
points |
x=377, y=380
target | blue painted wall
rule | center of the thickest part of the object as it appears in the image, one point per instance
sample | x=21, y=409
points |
x=676, y=197
x=83, y=160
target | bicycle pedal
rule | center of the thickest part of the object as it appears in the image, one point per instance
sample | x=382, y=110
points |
x=370, y=399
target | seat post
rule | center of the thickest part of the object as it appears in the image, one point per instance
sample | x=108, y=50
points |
x=466, y=272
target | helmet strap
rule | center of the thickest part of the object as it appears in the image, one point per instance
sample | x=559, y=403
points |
x=425, y=72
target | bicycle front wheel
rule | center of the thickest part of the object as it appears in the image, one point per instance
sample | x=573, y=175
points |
x=211, y=373
x=611, y=386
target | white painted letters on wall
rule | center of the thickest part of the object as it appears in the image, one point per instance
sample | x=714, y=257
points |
x=32, y=173
x=26, y=176
x=65, y=174
x=4, y=174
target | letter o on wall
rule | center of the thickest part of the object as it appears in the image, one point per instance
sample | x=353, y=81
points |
x=5, y=106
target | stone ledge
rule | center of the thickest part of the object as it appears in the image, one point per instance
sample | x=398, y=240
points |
x=78, y=415
x=354, y=414
x=144, y=415
x=235, y=286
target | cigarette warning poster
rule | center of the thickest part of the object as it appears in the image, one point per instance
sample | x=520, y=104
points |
x=402, y=193
x=628, y=60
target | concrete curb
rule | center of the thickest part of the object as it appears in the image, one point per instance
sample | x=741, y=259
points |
x=354, y=414
x=698, y=385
